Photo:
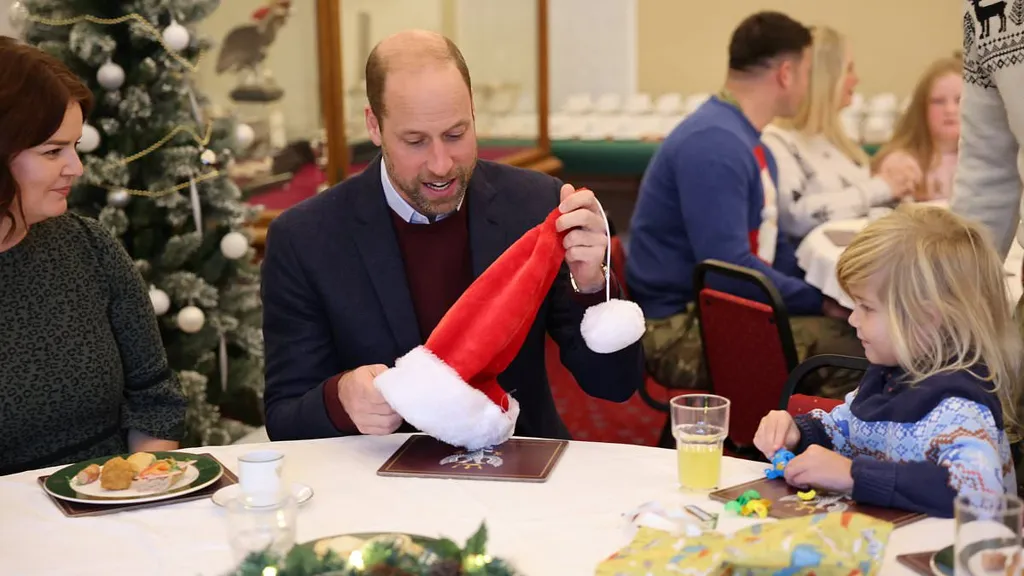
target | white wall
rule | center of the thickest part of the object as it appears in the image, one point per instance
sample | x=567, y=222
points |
x=592, y=47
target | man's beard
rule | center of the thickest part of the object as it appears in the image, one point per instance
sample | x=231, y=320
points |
x=425, y=205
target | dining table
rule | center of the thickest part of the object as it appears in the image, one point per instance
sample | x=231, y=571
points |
x=818, y=254
x=563, y=526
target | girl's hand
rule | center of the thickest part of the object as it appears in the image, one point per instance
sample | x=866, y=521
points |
x=821, y=468
x=777, y=430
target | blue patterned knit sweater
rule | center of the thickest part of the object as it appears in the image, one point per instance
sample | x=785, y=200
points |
x=917, y=447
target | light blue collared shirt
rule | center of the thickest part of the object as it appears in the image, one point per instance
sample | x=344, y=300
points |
x=405, y=211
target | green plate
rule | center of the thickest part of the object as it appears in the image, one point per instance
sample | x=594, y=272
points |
x=942, y=562
x=58, y=484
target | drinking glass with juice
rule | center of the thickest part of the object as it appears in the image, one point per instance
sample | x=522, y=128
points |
x=700, y=423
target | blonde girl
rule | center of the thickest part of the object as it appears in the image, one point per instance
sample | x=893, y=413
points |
x=928, y=132
x=931, y=415
x=822, y=173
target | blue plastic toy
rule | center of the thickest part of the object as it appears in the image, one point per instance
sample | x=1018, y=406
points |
x=779, y=461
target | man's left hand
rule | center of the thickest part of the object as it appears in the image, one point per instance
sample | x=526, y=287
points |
x=586, y=241
x=818, y=467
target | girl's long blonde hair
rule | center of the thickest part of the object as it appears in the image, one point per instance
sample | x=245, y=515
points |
x=819, y=111
x=944, y=289
x=912, y=133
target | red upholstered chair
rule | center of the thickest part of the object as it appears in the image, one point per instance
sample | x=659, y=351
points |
x=632, y=422
x=797, y=404
x=748, y=349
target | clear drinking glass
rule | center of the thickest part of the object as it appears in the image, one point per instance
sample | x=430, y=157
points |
x=700, y=423
x=256, y=526
x=988, y=534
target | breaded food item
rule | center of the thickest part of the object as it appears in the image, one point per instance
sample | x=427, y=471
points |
x=88, y=475
x=116, y=474
x=140, y=461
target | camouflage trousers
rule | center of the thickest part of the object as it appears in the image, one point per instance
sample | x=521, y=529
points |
x=672, y=348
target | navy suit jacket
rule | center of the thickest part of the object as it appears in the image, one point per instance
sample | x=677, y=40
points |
x=335, y=297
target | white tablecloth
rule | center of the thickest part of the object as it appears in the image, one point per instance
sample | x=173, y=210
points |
x=563, y=527
x=818, y=256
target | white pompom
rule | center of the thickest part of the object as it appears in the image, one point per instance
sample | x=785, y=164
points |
x=611, y=326
x=110, y=76
x=244, y=135
x=161, y=302
x=17, y=15
x=191, y=319
x=118, y=198
x=176, y=36
x=90, y=139
x=234, y=245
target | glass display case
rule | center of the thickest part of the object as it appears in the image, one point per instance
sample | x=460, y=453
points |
x=293, y=74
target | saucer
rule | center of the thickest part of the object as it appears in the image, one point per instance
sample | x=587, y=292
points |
x=221, y=497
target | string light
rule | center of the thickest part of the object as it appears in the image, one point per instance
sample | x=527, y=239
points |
x=172, y=190
x=157, y=35
x=201, y=140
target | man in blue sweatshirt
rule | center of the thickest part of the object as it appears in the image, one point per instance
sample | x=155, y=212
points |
x=709, y=193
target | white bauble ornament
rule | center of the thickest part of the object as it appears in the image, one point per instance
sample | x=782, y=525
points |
x=234, y=245
x=161, y=302
x=17, y=14
x=208, y=157
x=191, y=319
x=90, y=139
x=118, y=198
x=176, y=36
x=244, y=135
x=110, y=76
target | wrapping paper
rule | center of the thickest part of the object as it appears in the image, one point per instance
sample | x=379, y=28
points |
x=836, y=544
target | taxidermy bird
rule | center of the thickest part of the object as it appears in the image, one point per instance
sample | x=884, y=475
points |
x=245, y=47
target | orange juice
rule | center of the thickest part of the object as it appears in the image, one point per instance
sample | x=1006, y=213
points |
x=699, y=454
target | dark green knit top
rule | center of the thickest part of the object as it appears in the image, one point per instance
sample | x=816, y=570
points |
x=81, y=359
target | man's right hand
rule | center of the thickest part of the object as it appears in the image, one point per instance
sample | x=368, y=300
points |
x=365, y=405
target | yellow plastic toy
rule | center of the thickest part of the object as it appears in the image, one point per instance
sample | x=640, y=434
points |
x=806, y=496
x=757, y=508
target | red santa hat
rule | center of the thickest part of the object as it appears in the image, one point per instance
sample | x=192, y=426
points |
x=448, y=387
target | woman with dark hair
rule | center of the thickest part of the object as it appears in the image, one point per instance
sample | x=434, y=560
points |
x=83, y=371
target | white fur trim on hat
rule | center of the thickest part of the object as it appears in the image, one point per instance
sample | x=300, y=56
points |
x=611, y=326
x=432, y=396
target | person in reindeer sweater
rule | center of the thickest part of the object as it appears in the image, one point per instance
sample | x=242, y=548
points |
x=709, y=193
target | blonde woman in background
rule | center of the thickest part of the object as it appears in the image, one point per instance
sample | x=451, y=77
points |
x=822, y=173
x=928, y=132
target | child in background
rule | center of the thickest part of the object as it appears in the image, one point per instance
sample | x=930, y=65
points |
x=931, y=415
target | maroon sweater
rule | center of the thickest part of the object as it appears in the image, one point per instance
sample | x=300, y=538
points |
x=438, y=267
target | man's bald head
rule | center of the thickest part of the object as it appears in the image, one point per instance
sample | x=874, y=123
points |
x=409, y=50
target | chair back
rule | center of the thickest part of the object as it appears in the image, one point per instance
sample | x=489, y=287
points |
x=798, y=404
x=747, y=345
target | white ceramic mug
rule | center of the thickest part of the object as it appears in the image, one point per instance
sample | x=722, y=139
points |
x=260, y=475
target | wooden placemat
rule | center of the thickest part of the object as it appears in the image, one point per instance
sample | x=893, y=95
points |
x=920, y=562
x=516, y=460
x=77, y=509
x=786, y=504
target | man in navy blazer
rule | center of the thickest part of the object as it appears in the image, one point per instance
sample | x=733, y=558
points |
x=359, y=275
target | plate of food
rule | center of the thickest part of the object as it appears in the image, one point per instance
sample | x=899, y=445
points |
x=138, y=477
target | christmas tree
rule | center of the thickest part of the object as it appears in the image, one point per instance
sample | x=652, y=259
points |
x=155, y=177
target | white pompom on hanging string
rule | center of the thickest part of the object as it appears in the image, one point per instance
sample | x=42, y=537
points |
x=197, y=208
x=110, y=76
x=191, y=319
x=613, y=324
x=161, y=302
x=176, y=36
x=90, y=139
